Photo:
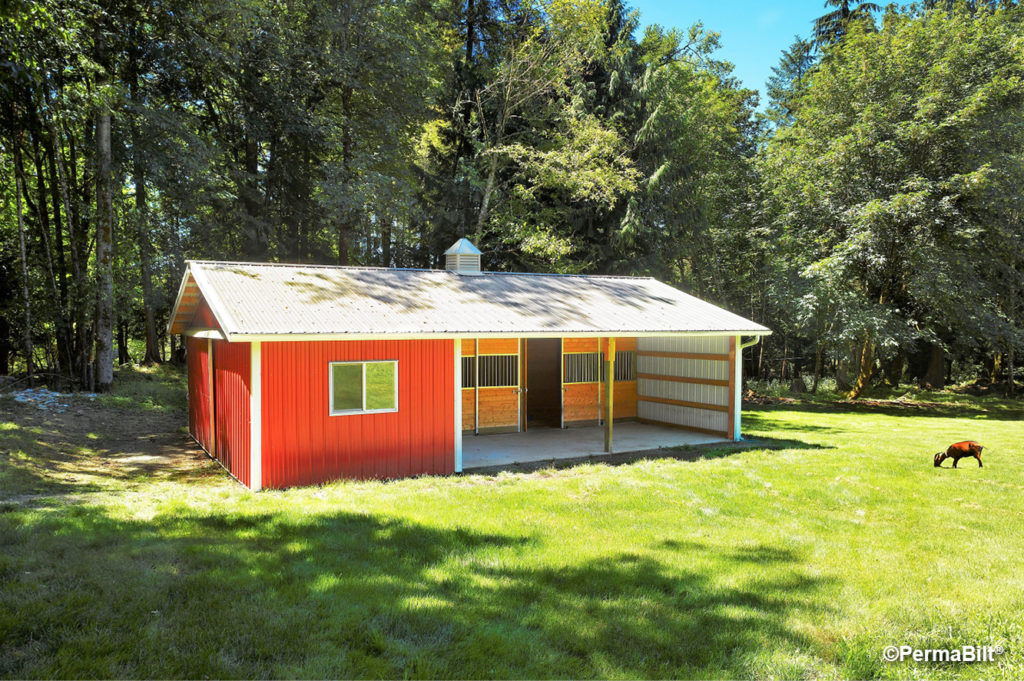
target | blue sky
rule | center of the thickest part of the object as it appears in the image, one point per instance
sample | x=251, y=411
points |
x=753, y=33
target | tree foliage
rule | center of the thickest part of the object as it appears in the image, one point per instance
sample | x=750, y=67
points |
x=871, y=216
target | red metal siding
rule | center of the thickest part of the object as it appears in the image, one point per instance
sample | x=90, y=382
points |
x=303, y=444
x=231, y=364
x=198, y=361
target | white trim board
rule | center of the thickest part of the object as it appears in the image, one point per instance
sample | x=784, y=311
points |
x=255, y=417
x=241, y=337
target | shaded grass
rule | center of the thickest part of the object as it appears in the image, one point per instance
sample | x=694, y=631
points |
x=799, y=559
x=159, y=388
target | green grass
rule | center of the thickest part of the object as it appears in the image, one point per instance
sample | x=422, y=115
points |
x=159, y=388
x=799, y=559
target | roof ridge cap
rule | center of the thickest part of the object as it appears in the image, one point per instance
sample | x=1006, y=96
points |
x=374, y=268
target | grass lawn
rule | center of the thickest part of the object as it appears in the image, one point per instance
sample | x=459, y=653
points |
x=124, y=552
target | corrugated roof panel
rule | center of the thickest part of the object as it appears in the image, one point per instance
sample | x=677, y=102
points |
x=257, y=299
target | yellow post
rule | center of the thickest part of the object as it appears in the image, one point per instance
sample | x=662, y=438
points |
x=609, y=392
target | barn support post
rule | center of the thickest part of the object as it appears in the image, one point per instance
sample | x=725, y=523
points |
x=457, y=355
x=255, y=418
x=476, y=386
x=609, y=391
x=733, y=425
x=736, y=381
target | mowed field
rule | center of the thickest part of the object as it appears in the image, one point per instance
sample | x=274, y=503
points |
x=125, y=553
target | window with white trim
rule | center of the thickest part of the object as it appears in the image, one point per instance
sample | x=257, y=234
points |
x=363, y=387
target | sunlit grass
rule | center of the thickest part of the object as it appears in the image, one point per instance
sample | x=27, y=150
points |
x=801, y=558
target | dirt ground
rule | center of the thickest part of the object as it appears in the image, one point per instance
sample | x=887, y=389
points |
x=91, y=447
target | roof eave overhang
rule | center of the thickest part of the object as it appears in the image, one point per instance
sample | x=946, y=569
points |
x=249, y=337
x=195, y=272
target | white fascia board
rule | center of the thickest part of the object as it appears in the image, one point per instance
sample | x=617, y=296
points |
x=215, y=334
x=219, y=313
x=243, y=337
x=177, y=300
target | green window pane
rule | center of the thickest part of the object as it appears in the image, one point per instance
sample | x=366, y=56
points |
x=380, y=385
x=348, y=387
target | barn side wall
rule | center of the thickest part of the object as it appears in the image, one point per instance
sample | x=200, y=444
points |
x=303, y=444
x=232, y=385
x=198, y=367
x=686, y=382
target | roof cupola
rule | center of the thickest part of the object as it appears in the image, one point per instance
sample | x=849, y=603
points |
x=463, y=257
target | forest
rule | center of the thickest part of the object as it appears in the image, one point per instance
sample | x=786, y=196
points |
x=866, y=205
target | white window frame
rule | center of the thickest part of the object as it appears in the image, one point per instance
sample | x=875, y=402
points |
x=364, y=410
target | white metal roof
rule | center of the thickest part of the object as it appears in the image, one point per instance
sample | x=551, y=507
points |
x=298, y=301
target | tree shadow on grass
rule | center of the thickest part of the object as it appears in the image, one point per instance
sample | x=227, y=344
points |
x=84, y=594
x=1004, y=411
x=90, y=448
x=713, y=450
x=758, y=420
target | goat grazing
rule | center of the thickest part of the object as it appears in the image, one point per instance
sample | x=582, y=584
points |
x=959, y=451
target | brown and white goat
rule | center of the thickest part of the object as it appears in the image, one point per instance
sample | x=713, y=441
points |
x=958, y=451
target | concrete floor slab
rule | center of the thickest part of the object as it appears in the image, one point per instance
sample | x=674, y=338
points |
x=544, y=444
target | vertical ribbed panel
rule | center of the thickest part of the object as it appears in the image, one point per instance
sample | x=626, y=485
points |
x=684, y=392
x=708, y=344
x=198, y=363
x=303, y=444
x=231, y=367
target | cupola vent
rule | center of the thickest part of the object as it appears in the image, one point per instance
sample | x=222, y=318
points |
x=463, y=257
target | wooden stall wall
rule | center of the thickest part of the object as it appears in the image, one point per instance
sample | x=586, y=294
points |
x=468, y=394
x=582, y=401
x=625, y=391
x=686, y=382
x=499, y=407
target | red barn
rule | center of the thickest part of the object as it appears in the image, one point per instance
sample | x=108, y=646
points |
x=299, y=374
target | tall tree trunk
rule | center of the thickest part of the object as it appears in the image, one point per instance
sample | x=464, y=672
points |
x=347, y=223
x=935, y=376
x=385, y=243
x=122, y=343
x=152, y=355
x=58, y=230
x=19, y=183
x=485, y=202
x=255, y=245
x=145, y=263
x=894, y=370
x=1012, y=387
x=59, y=315
x=785, y=352
x=996, y=369
x=5, y=343
x=817, y=367
x=104, y=231
x=77, y=290
x=867, y=367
